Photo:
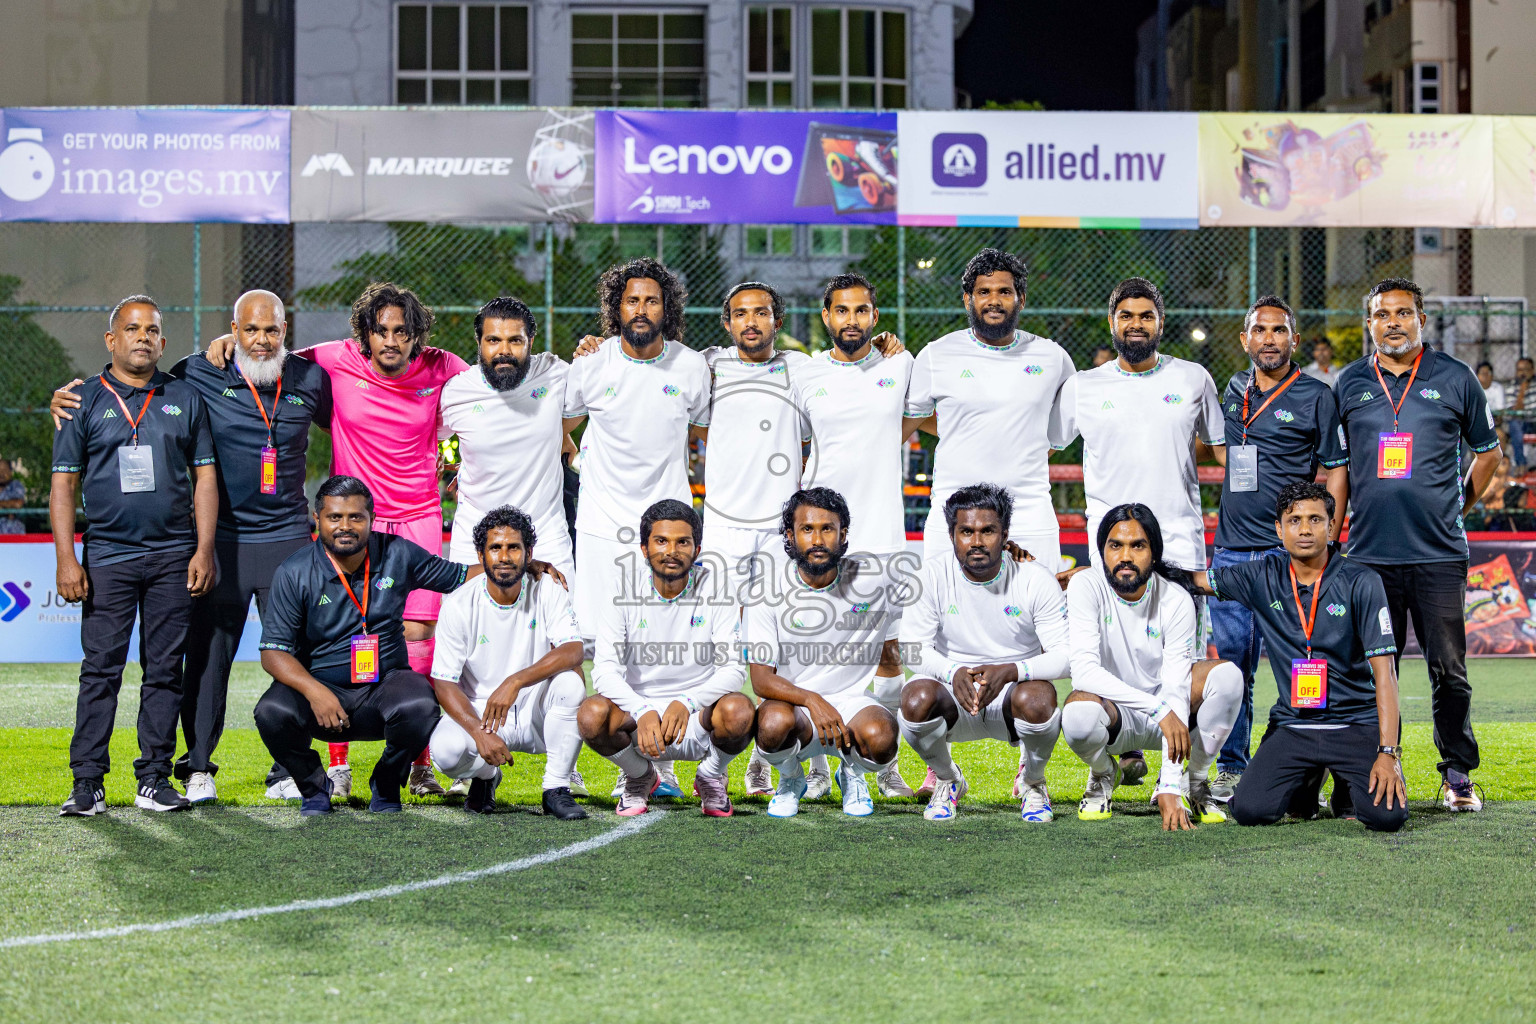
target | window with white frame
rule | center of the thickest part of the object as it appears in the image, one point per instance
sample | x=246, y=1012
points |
x=1426, y=88
x=462, y=53
x=770, y=56
x=768, y=240
x=628, y=57
x=834, y=240
x=858, y=57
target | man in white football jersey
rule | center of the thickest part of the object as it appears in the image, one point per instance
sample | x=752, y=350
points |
x=507, y=670
x=1136, y=677
x=506, y=412
x=812, y=656
x=988, y=634
x=993, y=388
x=852, y=399
x=668, y=671
x=1140, y=416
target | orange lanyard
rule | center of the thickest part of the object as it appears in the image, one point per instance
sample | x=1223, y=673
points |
x=362, y=606
x=259, y=408
x=1248, y=421
x=1317, y=588
x=133, y=421
x=1397, y=405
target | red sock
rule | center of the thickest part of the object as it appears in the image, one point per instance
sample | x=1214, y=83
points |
x=339, y=754
x=424, y=758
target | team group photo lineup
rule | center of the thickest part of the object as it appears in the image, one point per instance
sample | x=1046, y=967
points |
x=592, y=596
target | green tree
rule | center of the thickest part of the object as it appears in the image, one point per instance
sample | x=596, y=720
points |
x=32, y=364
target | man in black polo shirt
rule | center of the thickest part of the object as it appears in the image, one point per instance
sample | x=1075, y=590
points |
x=260, y=408
x=148, y=549
x=333, y=638
x=1406, y=411
x=1281, y=425
x=1329, y=636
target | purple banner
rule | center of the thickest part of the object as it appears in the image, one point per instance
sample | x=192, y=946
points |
x=156, y=165
x=750, y=167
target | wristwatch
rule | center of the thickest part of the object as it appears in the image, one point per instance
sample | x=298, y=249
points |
x=1396, y=752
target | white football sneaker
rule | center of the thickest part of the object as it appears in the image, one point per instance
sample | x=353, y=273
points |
x=944, y=803
x=786, y=798
x=759, y=775
x=856, y=801
x=460, y=787
x=200, y=788
x=578, y=784
x=1035, y=804
x=818, y=781
x=286, y=789
x=1098, y=798
x=341, y=782
x=892, y=784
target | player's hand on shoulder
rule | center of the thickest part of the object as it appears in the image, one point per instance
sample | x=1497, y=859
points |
x=538, y=568
x=220, y=350
x=1018, y=553
x=1175, y=817
x=64, y=399
x=888, y=344
x=1065, y=576
x=587, y=346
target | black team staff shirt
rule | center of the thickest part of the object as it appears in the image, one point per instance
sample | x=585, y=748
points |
x=1352, y=627
x=310, y=616
x=240, y=433
x=175, y=428
x=1417, y=518
x=1295, y=433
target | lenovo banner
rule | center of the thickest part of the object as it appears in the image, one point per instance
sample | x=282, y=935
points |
x=442, y=165
x=150, y=165
x=1048, y=169
x=746, y=167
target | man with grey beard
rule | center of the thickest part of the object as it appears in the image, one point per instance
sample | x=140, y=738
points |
x=1406, y=411
x=260, y=409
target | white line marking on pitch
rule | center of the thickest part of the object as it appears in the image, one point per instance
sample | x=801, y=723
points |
x=628, y=828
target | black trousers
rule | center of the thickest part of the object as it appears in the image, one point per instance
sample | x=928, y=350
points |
x=1435, y=595
x=399, y=709
x=152, y=588
x=1285, y=758
x=218, y=622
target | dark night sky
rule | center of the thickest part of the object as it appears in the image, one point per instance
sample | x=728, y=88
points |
x=1068, y=54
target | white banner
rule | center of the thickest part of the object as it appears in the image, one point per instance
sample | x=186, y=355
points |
x=36, y=626
x=1049, y=169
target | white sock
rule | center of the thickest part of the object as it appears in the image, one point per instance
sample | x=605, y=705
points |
x=930, y=740
x=888, y=691
x=756, y=758
x=630, y=761
x=562, y=741
x=1085, y=727
x=717, y=763
x=787, y=761
x=819, y=762
x=1036, y=741
x=1219, y=705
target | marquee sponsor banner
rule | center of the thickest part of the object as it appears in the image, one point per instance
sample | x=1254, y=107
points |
x=1049, y=169
x=746, y=167
x=442, y=165
x=148, y=165
x=1514, y=170
x=1346, y=170
x=35, y=626
x=1501, y=600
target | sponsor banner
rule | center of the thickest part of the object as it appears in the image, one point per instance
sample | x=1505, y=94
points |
x=746, y=167
x=148, y=165
x=1514, y=170
x=35, y=626
x=1501, y=601
x=1048, y=169
x=1346, y=170
x=442, y=165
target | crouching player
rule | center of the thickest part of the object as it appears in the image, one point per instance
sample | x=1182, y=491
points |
x=989, y=633
x=507, y=671
x=1135, y=678
x=1337, y=709
x=668, y=670
x=813, y=656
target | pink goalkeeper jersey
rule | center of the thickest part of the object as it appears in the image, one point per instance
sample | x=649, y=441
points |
x=384, y=429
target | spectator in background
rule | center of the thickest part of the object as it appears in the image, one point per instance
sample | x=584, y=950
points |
x=12, y=495
x=1102, y=355
x=1520, y=405
x=1493, y=391
x=1321, y=365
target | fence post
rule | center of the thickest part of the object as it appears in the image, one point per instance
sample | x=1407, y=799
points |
x=901, y=281
x=197, y=288
x=1253, y=266
x=549, y=287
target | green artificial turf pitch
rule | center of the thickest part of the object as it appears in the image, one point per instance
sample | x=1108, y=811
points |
x=822, y=917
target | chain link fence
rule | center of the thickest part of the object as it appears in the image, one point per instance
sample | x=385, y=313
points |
x=58, y=282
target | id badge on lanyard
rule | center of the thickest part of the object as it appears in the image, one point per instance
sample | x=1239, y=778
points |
x=1243, y=468
x=136, y=468
x=1309, y=683
x=269, y=470
x=268, y=452
x=365, y=658
x=1394, y=449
